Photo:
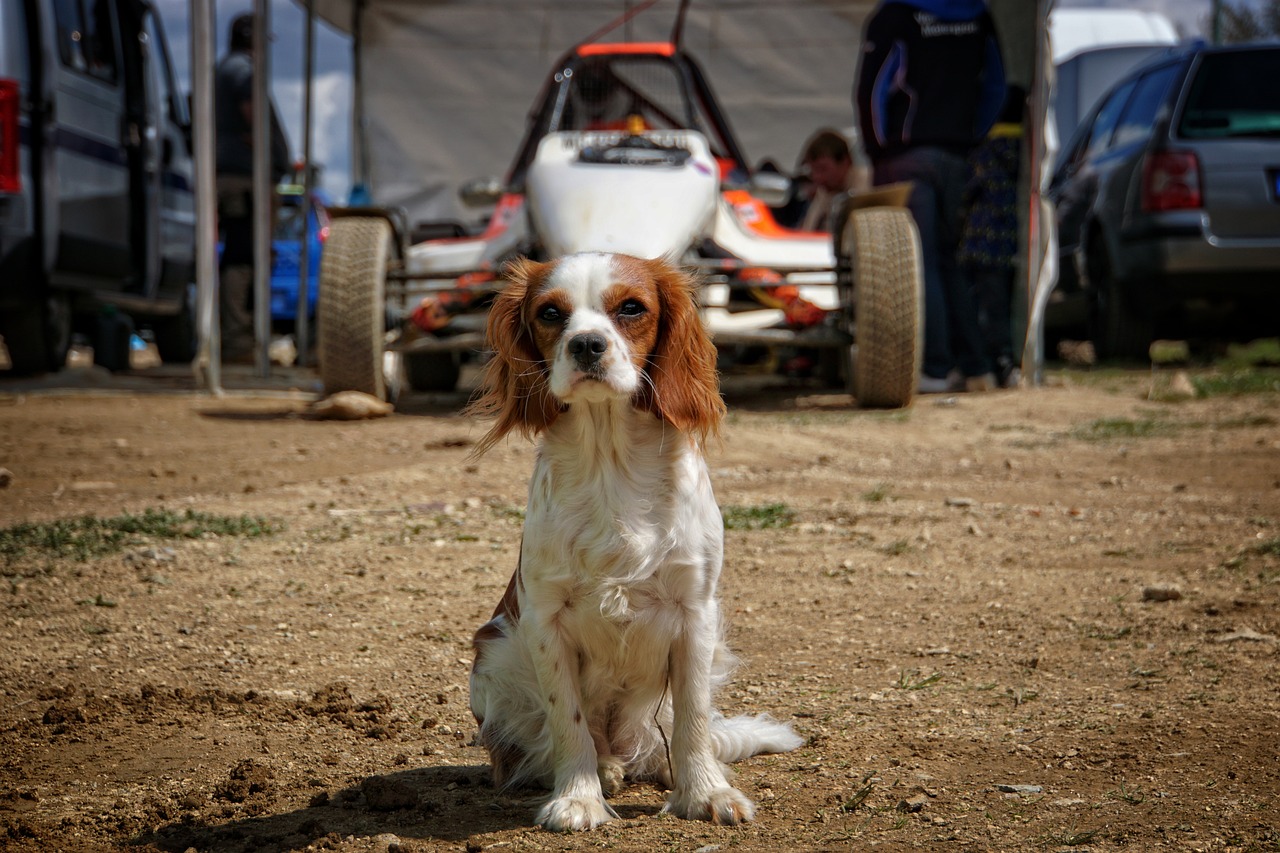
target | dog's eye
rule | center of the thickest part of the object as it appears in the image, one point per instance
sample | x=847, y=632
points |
x=631, y=308
x=551, y=314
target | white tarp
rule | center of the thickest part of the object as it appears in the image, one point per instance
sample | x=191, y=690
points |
x=443, y=87
x=447, y=85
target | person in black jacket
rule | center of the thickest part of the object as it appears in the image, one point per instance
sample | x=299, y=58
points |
x=929, y=86
x=233, y=117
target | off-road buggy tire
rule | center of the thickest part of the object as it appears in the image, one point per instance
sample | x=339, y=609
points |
x=351, y=314
x=888, y=306
x=1121, y=328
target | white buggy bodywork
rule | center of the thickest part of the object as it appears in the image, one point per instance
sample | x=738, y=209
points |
x=649, y=194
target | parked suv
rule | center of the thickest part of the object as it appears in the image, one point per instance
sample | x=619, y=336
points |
x=97, y=214
x=1168, y=198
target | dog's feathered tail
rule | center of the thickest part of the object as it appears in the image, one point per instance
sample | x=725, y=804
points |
x=736, y=738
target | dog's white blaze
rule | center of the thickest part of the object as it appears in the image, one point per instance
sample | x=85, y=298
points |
x=585, y=278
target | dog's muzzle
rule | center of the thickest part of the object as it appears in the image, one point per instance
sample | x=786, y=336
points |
x=587, y=350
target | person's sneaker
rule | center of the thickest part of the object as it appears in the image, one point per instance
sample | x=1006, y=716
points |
x=1007, y=373
x=927, y=384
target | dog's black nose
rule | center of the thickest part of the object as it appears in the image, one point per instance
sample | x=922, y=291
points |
x=587, y=348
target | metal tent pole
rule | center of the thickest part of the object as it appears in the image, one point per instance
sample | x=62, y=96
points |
x=302, y=324
x=262, y=189
x=208, y=363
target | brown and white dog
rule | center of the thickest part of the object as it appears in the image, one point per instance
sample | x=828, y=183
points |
x=608, y=640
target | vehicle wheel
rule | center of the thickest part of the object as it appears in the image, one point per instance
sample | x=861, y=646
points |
x=37, y=334
x=1119, y=329
x=351, y=314
x=176, y=338
x=432, y=371
x=888, y=306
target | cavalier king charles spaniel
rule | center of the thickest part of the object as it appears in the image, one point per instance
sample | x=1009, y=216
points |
x=601, y=658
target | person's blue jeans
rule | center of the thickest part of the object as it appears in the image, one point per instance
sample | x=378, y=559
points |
x=952, y=336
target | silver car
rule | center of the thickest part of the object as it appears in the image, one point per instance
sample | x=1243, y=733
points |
x=1168, y=201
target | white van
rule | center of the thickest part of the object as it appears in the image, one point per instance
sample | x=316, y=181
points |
x=97, y=213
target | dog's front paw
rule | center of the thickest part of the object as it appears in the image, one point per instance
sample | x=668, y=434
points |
x=723, y=806
x=571, y=814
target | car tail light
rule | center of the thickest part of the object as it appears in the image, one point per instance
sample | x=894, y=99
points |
x=10, y=180
x=1170, y=181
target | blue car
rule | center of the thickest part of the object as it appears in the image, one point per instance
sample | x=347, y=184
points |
x=286, y=247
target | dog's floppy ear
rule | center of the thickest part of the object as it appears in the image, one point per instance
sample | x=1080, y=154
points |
x=682, y=368
x=513, y=387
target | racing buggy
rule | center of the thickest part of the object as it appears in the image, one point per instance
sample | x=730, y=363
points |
x=627, y=150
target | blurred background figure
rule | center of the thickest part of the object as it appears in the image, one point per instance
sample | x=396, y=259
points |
x=989, y=236
x=233, y=117
x=929, y=87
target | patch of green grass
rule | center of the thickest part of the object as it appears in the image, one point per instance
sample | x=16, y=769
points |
x=877, y=493
x=897, y=548
x=1100, y=632
x=859, y=796
x=1124, y=795
x=910, y=679
x=1270, y=548
x=1235, y=383
x=769, y=516
x=87, y=537
x=1105, y=429
x=1264, y=351
x=1071, y=837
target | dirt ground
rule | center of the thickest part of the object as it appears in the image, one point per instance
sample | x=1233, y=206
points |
x=1036, y=619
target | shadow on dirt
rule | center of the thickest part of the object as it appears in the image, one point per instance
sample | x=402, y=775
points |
x=442, y=803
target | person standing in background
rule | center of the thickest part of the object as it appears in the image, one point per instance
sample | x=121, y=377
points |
x=233, y=117
x=929, y=87
x=989, y=236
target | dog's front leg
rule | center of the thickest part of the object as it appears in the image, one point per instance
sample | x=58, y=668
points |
x=577, y=800
x=701, y=790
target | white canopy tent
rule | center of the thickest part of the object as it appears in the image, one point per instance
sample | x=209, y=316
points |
x=442, y=88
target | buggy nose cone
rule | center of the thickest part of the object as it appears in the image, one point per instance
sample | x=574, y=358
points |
x=587, y=349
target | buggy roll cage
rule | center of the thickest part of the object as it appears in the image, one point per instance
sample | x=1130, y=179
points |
x=548, y=116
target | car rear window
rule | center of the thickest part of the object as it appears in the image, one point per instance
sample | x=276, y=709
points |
x=1233, y=94
x=1144, y=107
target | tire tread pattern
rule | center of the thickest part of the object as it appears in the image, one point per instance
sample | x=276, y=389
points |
x=351, y=310
x=888, y=295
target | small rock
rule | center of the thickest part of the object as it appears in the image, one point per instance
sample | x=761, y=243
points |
x=351, y=406
x=388, y=795
x=959, y=502
x=1161, y=593
x=150, y=555
x=386, y=841
x=913, y=804
x=1247, y=635
x=1019, y=789
x=1180, y=385
x=6, y=477
x=92, y=486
